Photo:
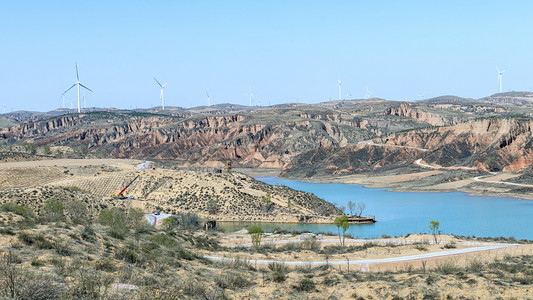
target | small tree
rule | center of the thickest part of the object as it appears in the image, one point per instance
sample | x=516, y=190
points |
x=434, y=227
x=351, y=207
x=345, y=225
x=53, y=210
x=78, y=212
x=341, y=221
x=136, y=220
x=289, y=204
x=212, y=206
x=256, y=233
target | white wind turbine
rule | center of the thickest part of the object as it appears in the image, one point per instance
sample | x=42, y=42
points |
x=500, y=77
x=162, y=93
x=208, y=98
x=78, y=84
x=340, y=98
x=368, y=93
x=250, y=94
x=422, y=96
x=63, y=98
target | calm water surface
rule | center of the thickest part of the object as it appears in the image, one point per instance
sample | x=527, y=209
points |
x=400, y=213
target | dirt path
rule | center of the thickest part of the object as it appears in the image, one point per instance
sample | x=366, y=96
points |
x=395, y=146
x=478, y=178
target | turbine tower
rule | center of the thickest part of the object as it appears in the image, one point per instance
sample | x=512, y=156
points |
x=500, y=77
x=63, y=98
x=368, y=93
x=340, y=98
x=208, y=98
x=250, y=94
x=162, y=93
x=78, y=84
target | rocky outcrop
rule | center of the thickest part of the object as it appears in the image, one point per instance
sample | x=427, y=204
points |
x=489, y=144
x=329, y=161
x=407, y=110
x=207, y=140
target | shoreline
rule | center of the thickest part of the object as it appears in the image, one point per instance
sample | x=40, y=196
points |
x=367, y=183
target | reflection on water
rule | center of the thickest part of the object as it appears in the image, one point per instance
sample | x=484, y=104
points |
x=400, y=213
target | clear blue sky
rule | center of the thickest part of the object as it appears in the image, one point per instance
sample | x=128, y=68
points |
x=284, y=50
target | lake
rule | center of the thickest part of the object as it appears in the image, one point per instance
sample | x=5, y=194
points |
x=401, y=213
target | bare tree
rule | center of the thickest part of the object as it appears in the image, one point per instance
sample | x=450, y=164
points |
x=360, y=208
x=351, y=207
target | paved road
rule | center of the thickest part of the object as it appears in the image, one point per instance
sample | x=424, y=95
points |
x=500, y=182
x=156, y=219
x=420, y=163
x=144, y=165
x=481, y=247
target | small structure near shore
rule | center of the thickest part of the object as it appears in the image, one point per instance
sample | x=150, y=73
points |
x=361, y=219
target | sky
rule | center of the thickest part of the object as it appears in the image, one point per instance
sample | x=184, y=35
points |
x=286, y=51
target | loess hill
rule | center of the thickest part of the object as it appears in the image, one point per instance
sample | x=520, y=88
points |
x=222, y=197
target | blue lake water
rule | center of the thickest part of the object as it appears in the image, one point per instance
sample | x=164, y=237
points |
x=400, y=213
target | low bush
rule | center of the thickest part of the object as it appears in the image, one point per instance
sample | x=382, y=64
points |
x=127, y=255
x=278, y=271
x=232, y=281
x=305, y=285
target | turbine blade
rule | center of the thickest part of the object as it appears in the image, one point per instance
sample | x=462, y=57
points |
x=86, y=87
x=207, y=94
x=158, y=82
x=77, y=75
x=69, y=89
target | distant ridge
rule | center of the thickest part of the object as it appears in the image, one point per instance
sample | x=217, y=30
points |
x=510, y=98
x=446, y=99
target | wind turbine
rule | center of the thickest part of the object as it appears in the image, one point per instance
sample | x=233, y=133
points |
x=63, y=97
x=208, y=98
x=500, y=77
x=162, y=93
x=250, y=94
x=422, y=96
x=340, y=98
x=84, y=106
x=78, y=84
x=368, y=93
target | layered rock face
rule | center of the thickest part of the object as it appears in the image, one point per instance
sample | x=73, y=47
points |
x=197, y=141
x=407, y=110
x=330, y=161
x=489, y=144
x=298, y=138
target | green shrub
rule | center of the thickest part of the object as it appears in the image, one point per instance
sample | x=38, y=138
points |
x=105, y=265
x=53, y=210
x=256, y=233
x=78, y=212
x=305, y=285
x=278, y=271
x=20, y=210
x=232, y=281
x=127, y=255
x=163, y=240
